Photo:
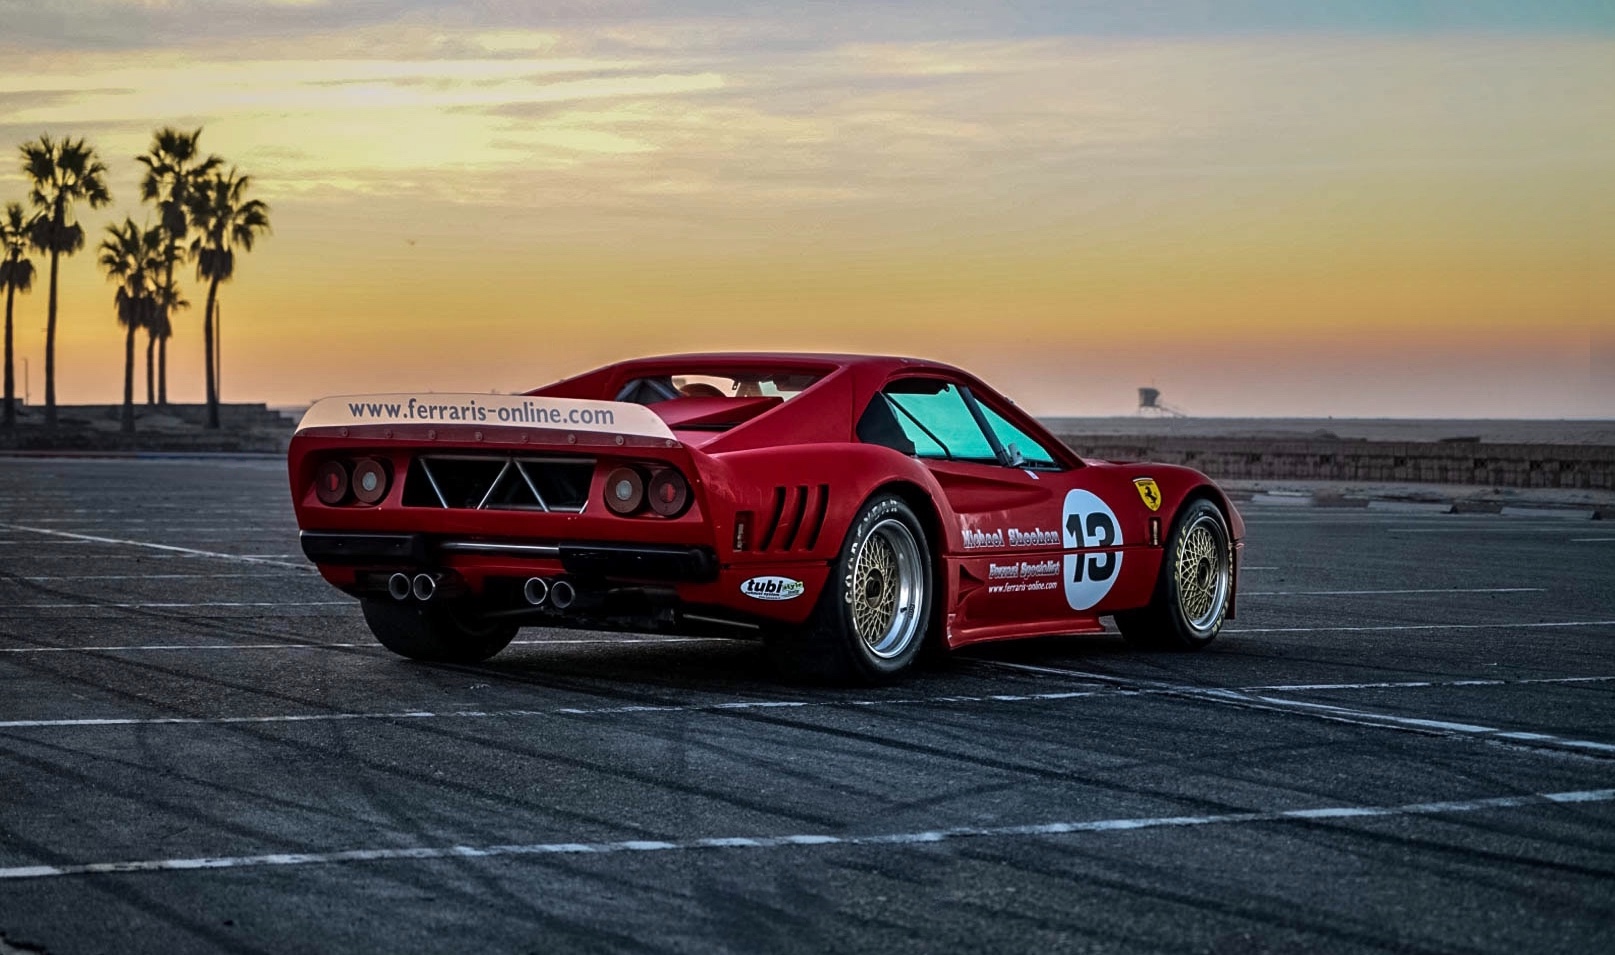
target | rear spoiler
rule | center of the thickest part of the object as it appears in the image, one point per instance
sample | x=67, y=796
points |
x=487, y=411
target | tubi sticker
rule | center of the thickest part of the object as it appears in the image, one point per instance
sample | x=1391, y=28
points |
x=773, y=588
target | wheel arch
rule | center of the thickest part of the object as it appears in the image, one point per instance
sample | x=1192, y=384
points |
x=924, y=506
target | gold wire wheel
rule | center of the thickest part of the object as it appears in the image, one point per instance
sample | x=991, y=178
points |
x=887, y=590
x=1202, y=573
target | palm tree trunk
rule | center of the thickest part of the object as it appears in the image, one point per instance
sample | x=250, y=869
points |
x=11, y=380
x=50, y=347
x=151, y=384
x=129, y=380
x=207, y=346
x=163, y=322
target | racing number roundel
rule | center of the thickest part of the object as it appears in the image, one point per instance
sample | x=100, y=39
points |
x=1089, y=522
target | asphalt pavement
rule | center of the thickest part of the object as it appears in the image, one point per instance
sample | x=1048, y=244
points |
x=1404, y=743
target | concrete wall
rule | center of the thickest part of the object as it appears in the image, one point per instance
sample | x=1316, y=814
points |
x=230, y=415
x=1454, y=462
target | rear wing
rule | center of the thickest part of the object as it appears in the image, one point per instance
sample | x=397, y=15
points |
x=486, y=411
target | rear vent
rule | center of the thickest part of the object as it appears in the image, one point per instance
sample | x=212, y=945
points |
x=795, y=518
x=487, y=482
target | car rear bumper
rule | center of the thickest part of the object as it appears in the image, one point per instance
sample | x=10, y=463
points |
x=660, y=562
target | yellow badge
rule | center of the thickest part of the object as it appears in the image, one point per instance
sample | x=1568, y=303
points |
x=1149, y=492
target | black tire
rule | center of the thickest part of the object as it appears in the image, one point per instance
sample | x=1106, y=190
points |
x=436, y=634
x=831, y=647
x=1191, y=597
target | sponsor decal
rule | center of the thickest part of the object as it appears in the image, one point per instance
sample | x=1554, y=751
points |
x=1089, y=523
x=983, y=538
x=517, y=411
x=1022, y=576
x=1149, y=492
x=1036, y=537
x=1042, y=568
x=1015, y=536
x=772, y=588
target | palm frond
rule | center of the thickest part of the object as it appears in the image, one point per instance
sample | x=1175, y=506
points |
x=61, y=174
x=225, y=220
x=16, y=274
x=16, y=270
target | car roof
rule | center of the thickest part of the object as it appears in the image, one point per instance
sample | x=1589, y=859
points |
x=881, y=364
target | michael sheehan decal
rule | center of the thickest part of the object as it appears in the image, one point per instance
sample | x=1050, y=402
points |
x=1088, y=522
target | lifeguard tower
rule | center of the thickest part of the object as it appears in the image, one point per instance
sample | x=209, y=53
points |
x=1150, y=405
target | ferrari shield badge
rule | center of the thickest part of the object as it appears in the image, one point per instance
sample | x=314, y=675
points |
x=1149, y=492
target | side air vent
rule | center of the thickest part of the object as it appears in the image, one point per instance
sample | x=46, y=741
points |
x=488, y=482
x=795, y=518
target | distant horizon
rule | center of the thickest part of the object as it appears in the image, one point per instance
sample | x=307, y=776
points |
x=1264, y=210
x=291, y=407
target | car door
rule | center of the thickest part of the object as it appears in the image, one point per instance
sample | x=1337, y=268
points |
x=1010, y=559
x=1099, y=516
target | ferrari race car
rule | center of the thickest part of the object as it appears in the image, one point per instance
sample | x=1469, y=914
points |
x=847, y=511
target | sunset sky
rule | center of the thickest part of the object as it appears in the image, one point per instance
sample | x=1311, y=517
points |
x=1261, y=207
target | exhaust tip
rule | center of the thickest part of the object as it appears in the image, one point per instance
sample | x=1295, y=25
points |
x=562, y=594
x=424, y=587
x=536, y=590
x=398, y=586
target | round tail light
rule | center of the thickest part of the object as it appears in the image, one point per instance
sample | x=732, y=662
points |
x=668, y=493
x=369, y=481
x=331, y=483
x=625, y=490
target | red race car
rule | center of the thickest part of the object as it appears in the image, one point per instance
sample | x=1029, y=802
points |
x=846, y=510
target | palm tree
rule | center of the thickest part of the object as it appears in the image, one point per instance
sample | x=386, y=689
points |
x=225, y=220
x=16, y=275
x=60, y=174
x=132, y=257
x=173, y=171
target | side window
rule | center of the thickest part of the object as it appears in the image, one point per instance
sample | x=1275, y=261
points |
x=933, y=418
x=1015, y=441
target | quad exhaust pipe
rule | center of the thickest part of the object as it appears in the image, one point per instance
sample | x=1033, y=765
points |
x=423, y=587
x=563, y=594
x=398, y=586
x=536, y=591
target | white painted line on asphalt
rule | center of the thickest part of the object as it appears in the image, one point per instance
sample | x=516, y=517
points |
x=161, y=605
x=1442, y=726
x=1590, y=540
x=1509, y=529
x=36, y=542
x=1324, y=711
x=47, y=579
x=102, y=520
x=1244, y=568
x=114, y=556
x=1322, y=814
x=1113, y=687
x=1428, y=626
x=366, y=645
x=187, y=551
x=1378, y=593
x=247, y=531
x=1418, y=684
x=724, y=707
